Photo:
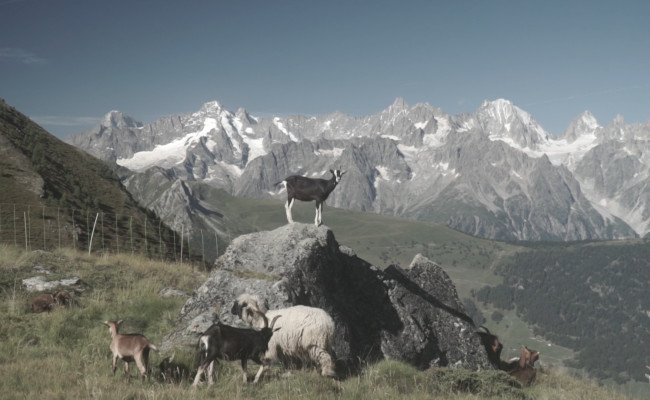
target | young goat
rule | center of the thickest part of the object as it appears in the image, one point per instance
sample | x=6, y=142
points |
x=128, y=348
x=308, y=189
x=524, y=369
x=230, y=343
x=171, y=371
x=46, y=302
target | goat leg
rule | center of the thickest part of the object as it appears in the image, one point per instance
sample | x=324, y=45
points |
x=141, y=366
x=263, y=367
x=211, y=373
x=243, y=370
x=287, y=208
x=197, y=378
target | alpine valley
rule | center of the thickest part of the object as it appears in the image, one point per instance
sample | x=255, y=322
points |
x=494, y=173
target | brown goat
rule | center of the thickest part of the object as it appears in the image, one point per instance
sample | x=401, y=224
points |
x=46, y=301
x=524, y=370
x=128, y=348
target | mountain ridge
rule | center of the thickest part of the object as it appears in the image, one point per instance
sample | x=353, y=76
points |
x=246, y=155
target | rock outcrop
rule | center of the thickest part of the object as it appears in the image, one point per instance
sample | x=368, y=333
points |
x=412, y=314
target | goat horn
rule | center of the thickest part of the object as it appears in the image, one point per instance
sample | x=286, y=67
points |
x=266, y=320
x=274, y=319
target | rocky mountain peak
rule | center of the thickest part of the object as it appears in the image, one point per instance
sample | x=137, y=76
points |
x=399, y=104
x=211, y=107
x=504, y=112
x=118, y=120
x=502, y=120
x=584, y=124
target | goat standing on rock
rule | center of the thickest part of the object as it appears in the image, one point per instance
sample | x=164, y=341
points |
x=308, y=189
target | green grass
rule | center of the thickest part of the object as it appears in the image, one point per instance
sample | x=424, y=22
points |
x=64, y=354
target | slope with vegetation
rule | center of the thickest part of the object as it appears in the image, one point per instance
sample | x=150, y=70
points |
x=65, y=354
x=592, y=297
x=48, y=185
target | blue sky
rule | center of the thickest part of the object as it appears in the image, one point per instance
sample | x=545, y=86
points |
x=65, y=63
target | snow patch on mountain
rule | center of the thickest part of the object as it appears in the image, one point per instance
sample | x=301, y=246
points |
x=437, y=139
x=169, y=154
x=335, y=152
x=284, y=130
x=559, y=151
x=255, y=148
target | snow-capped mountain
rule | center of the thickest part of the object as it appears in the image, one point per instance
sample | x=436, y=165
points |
x=494, y=172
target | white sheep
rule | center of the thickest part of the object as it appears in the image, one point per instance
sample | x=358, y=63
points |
x=305, y=333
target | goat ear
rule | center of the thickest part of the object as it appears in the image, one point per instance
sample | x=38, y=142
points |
x=343, y=172
x=105, y=323
x=524, y=355
x=119, y=322
x=236, y=308
x=332, y=171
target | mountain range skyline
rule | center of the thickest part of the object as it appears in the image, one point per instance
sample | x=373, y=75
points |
x=67, y=63
x=495, y=172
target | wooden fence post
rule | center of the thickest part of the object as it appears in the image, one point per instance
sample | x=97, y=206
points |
x=216, y=242
x=25, y=218
x=202, y=249
x=15, y=231
x=44, y=245
x=58, y=226
x=29, y=227
x=74, y=232
x=146, y=247
x=102, y=227
x=117, y=235
x=181, y=245
x=90, y=243
x=131, y=230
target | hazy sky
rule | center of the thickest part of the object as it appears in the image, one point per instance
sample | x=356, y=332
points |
x=65, y=63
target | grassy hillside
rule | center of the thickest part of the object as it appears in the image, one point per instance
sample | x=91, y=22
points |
x=64, y=354
x=47, y=184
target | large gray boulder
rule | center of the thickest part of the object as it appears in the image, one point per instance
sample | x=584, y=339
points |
x=411, y=314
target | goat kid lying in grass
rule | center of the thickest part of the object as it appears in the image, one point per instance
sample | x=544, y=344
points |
x=47, y=302
x=129, y=347
x=230, y=343
x=523, y=368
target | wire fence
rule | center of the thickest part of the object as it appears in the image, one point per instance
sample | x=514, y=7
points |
x=36, y=227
